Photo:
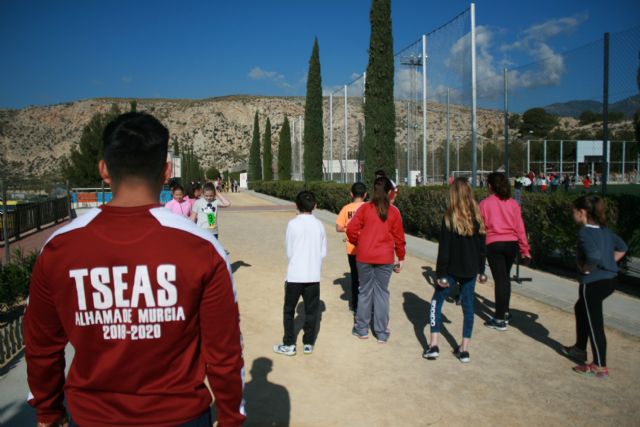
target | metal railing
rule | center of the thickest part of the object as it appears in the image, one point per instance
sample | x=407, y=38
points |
x=11, y=340
x=25, y=217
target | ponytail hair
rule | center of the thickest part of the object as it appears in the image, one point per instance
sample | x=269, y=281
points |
x=595, y=207
x=380, y=198
x=499, y=185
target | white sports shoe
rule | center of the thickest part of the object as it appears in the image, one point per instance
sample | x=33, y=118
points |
x=287, y=350
x=307, y=349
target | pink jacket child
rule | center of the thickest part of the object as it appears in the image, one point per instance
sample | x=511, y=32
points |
x=503, y=221
x=180, y=204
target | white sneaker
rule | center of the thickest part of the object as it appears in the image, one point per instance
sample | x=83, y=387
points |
x=307, y=349
x=287, y=350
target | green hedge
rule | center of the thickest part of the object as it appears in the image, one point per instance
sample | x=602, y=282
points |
x=15, y=278
x=547, y=217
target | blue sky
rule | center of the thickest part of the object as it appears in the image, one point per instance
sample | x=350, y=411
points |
x=68, y=50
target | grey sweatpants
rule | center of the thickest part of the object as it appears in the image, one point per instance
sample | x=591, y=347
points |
x=374, y=294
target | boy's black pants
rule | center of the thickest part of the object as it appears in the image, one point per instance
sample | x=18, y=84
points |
x=589, y=319
x=355, y=282
x=310, y=293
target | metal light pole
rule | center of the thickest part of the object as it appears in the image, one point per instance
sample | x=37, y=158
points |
x=408, y=147
x=300, y=148
x=345, y=133
x=6, y=253
x=506, y=125
x=474, y=123
x=424, y=110
x=457, y=154
x=446, y=167
x=331, y=137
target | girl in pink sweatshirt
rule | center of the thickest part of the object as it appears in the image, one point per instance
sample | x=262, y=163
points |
x=506, y=236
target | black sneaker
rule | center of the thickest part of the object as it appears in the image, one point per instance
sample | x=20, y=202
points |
x=432, y=353
x=574, y=353
x=462, y=356
x=499, y=325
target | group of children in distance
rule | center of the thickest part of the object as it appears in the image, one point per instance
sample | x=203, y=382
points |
x=471, y=234
x=202, y=208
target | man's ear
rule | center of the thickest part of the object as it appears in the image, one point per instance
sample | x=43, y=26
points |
x=166, y=173
x=104, y=172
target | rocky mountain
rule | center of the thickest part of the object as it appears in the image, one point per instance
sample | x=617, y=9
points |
x=628, y=106
x=33, y=140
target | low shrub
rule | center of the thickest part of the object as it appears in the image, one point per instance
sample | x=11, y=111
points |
x=15, y=278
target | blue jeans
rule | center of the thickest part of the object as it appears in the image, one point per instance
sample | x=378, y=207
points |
x=467, y=292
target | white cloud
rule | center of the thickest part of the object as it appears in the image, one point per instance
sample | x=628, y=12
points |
x=278, y=79
x=549, y=65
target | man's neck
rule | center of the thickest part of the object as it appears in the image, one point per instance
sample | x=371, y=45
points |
x=358, y=200
x=134, y=194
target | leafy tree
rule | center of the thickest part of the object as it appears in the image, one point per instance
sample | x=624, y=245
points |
x=616, y=116
x=284, y=152
x=489, y=133
x=588, y=117
x=379, y=109
x=313, y=129
x=191, y=169
x=212, y=172
x=267, y=158
x=133, y=106
x=80, y=168
x=538, y=121
x=255, y=168
x=514, y=121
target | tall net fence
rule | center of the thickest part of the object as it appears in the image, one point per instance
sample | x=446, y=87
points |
x=554, y=111
x=432, y=106
x=544, y=118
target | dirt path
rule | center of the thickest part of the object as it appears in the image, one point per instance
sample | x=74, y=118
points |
x=515, y=377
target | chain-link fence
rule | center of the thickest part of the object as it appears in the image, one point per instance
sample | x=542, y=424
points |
x=464, y=110
x=433, y=106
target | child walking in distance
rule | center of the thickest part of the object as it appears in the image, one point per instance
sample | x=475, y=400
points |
x=306, y=247
x=598, y=253
x=358, y=194
x=205, y=210
x=147, y=324
x=461, y=258
x=506, y=236
x=376, y=231
x=179, y=204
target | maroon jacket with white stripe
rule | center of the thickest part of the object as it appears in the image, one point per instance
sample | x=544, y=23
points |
x=147, y=300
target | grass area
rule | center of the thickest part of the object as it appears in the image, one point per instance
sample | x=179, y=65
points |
x=633, y=189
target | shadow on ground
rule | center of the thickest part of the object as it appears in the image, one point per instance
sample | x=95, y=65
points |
x=345, y=283
x=236, y=265
x=524, y=321
x=267, y=404
x=417, y=311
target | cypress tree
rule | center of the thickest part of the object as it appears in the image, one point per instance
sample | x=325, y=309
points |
x=284, y=152
x=255, y=168
x=313, y=129
x=379, y=109
x=267, y=158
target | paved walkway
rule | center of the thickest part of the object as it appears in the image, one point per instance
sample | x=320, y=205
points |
x=33, y=241
x=515, y=378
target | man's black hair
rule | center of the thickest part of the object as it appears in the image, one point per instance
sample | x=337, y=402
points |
x=380, y=174
x=358, y=189
x=305, y=201
x=135, y=146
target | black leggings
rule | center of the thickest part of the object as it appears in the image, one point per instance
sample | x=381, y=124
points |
x=501, y=256
x=589, y=319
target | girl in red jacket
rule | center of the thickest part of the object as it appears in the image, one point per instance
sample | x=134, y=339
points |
x=376, y=230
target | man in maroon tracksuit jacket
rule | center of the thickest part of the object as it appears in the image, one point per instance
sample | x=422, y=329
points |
x=145, y=297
